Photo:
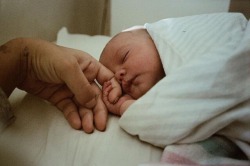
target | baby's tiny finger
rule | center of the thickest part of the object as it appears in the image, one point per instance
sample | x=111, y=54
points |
x=109, y=88
x=116, y=100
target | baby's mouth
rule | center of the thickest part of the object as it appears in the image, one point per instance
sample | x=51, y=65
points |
x=126, y=84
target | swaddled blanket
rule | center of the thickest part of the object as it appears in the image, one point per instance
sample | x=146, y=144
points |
x=206, y=91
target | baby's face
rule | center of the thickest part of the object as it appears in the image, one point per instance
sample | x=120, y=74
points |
x=133, y=58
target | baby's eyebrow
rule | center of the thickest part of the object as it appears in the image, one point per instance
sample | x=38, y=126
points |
x=121, y=51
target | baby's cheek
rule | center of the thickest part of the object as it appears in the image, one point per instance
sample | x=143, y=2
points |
x=136, y=91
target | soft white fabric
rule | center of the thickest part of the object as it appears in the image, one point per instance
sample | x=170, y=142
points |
x=90, y=44
x=136, y=27
x=180, y=40
x=41, y=136
x=207, y=87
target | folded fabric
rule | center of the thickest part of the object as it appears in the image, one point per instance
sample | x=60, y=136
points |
x=215, y=151
x=206, y=90
x=6, y=114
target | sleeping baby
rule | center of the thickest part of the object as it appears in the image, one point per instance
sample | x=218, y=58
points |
x=184, y=80
x=206, y=91
x=134, y=59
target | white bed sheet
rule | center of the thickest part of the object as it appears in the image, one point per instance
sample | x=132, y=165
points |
x=41, y=136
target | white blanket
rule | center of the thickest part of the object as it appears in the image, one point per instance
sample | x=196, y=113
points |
x=206, y=90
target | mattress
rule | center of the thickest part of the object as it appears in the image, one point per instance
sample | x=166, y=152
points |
x=41, y=136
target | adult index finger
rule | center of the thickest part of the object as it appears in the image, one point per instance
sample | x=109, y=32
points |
x=79, y=85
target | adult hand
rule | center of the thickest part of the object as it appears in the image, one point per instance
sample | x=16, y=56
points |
x=63, y=76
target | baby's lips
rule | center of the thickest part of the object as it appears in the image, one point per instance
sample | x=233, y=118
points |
x=126, y=84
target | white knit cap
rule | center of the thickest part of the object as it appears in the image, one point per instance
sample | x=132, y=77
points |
x=134, y=28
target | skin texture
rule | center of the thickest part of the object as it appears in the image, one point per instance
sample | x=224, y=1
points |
x=134, y=59
x=63, y=76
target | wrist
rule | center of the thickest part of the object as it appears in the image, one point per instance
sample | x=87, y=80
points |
x=13, y=61
x=125, y=106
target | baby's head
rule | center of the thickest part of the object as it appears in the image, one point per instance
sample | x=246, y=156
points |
x=134, y=59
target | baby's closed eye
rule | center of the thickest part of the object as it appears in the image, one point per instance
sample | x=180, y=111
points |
x=125, y=57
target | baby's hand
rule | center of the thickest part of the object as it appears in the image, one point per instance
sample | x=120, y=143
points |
x=115, y=90
x=120, y=105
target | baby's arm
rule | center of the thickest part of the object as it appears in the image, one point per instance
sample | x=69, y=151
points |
x=121, y=105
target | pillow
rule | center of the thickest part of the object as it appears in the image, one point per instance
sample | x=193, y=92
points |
x=82, y=42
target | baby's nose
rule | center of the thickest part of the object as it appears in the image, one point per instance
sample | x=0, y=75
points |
x=119, y=75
